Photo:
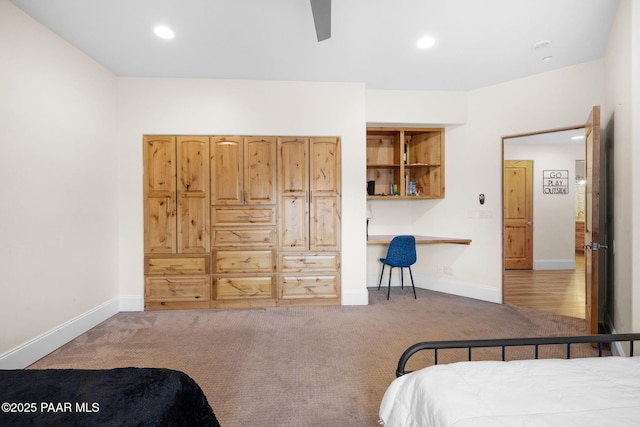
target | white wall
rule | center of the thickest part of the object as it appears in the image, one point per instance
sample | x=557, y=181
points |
x=547, y=101
x=554, y=215
x=228, y=107
x=58, y=182
x=622, y=107
x=397, y=107
x=635, y=153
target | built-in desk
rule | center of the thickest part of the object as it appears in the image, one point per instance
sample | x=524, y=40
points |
x=385, y=239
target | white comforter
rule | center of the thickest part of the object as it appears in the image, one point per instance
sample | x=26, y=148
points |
x=553, y=392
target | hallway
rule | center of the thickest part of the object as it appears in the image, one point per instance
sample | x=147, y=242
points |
x=555, y=291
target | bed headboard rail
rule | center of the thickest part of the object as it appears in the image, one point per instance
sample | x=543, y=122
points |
x=536, y=342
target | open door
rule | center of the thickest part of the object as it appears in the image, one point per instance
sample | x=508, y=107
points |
x=592, y=218
x=518, y=214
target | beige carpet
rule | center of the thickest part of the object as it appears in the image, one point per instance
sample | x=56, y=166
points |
x=304, y=366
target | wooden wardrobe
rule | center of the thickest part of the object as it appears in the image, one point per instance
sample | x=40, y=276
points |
x=241, y=221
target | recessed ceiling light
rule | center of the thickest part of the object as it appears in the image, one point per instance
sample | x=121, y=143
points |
x=578, y=137
x=164, y=32
x=541, y=44
x=426, y=42
x=547, y=58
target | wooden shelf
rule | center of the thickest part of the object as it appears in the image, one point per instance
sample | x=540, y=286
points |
x=421, y=165
x=398, y=197
x=397, y=156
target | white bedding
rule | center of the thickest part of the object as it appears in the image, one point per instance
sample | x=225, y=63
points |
x=547, y=392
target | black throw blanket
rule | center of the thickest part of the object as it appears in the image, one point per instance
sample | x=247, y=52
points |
x=114, y=397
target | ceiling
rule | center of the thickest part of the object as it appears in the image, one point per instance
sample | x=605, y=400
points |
x=478, y=42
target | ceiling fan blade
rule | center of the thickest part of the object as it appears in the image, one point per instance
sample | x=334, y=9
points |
x=322, y=18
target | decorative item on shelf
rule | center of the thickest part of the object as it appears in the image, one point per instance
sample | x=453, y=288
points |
x=412, y=189
x=371, y=188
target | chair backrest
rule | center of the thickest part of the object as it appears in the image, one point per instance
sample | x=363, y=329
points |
x=402, y=251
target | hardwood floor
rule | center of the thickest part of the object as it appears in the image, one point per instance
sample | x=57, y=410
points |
x=556, y=291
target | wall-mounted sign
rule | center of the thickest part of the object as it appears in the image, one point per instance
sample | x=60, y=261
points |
x=555, y=182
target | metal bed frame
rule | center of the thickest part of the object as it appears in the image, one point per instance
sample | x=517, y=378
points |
x=536, y=342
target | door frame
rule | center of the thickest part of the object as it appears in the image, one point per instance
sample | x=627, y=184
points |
x=580, y=126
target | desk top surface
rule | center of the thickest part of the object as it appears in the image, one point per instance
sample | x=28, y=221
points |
x=382, y=239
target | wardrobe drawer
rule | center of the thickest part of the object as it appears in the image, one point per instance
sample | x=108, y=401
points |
x=238, y=237
x=243, y=287
x=179, y=288
x=176, y=305
x=306, y=287
x=310, y=262
x=164, y=265
x=244, y=261
x=246, y=216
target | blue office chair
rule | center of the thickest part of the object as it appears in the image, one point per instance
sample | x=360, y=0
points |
x=401, y=253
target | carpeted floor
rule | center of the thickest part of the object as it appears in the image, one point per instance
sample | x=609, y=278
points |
x=311, y=366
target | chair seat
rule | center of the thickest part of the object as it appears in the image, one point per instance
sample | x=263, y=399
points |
x=393, y=263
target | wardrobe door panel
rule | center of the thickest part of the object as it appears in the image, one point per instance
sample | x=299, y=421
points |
x=226, y=170
x=193, y=194
x=259, y=170
x=160, y=195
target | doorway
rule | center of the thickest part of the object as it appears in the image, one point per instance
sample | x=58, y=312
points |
x=555, y=280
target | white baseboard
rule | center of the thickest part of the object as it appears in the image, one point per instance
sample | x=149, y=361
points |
x=554, y=264
x=463, y=289
x=35, y=349
x=448, y=286
x=131, y=303
x=360, y=297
